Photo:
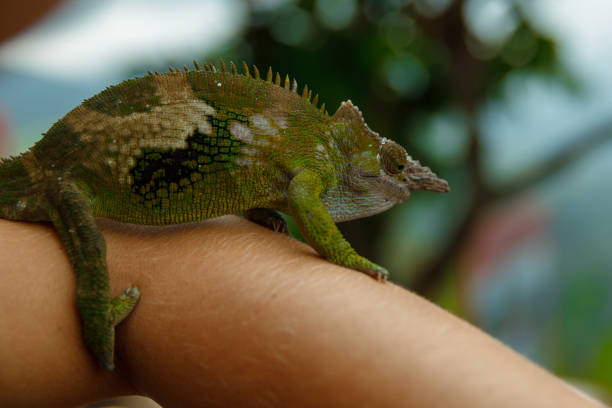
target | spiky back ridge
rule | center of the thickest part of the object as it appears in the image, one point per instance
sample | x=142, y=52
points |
x=271, y=78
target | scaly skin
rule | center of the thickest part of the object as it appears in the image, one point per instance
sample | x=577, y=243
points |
x=187, y=146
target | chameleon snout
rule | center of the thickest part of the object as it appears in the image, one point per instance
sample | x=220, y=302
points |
x=422, y=178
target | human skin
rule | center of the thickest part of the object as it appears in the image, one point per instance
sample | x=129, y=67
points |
x=235, y=315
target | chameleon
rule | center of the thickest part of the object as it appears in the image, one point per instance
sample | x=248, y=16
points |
x=192, y=144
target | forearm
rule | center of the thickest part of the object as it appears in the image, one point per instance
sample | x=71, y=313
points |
x=44, y=360
x=234, y=315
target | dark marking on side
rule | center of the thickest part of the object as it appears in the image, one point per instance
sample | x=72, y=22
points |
x=160, y=174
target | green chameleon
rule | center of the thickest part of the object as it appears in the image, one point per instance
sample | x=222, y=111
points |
x=186, y=146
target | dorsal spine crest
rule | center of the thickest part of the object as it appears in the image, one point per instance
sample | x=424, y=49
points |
x=288, y=83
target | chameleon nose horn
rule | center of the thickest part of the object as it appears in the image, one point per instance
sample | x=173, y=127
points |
x=422, y=178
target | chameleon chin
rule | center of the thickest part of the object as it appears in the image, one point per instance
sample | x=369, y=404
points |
x=185, y=146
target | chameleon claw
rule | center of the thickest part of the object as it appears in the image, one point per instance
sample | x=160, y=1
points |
x=363, y=265
x=377, y=272
x=280, y=226
x=382, y=275
x=108, y=365
x=267, y=218
x=132, y=292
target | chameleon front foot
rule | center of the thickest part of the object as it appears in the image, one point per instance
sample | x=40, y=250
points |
x=100, y=330
x=363, y=265
x=122, y=305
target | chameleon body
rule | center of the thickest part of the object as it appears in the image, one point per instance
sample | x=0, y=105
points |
x=186, y=146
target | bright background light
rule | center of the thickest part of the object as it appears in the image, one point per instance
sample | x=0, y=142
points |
x=91, y=39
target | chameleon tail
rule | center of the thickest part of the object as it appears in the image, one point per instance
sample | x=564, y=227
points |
x=86, y=249
x=19, y=199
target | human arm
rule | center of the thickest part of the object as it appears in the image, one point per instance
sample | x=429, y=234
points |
x=234, y=315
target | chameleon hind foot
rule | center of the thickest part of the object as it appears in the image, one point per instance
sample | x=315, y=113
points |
x=122, y=305
x=100, y=330
x=103, y=345
x=267, y=218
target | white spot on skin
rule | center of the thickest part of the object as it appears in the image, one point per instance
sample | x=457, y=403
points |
x=204, y=108
x=263, y=124
x=248, y=151
x=282, y=122
x=279, y=120
x=243, y=161
x=241, y=132
x=205, y=127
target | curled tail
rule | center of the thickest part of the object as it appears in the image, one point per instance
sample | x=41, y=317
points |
x=20, y=199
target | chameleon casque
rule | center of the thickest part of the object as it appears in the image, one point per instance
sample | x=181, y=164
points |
x=186, y=146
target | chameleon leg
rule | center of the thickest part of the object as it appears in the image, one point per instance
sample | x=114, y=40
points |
x=319, y=229
x=86, y=250
x=267, y=218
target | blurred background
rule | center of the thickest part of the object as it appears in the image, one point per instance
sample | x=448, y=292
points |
x=509, y=100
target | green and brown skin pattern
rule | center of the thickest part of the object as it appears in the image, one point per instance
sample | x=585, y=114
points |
x=186, y=146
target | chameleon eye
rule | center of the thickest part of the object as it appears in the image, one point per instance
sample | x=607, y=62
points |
x=393, y=157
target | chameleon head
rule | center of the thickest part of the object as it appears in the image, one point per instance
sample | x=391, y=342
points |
x=378, y=173
x=398, y=165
